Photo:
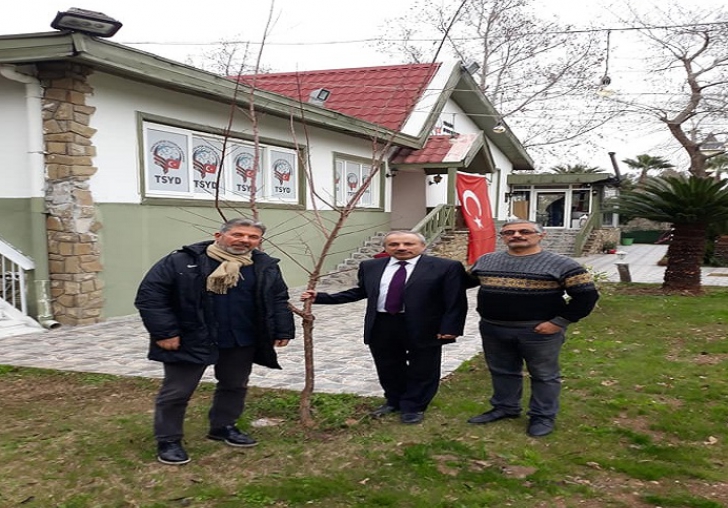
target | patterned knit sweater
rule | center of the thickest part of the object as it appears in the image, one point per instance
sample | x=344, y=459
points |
x=526, y=290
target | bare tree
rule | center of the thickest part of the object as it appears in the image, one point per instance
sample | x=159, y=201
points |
x=328, y=228
x=541, y=76
x=226, y=58
x=684, y=85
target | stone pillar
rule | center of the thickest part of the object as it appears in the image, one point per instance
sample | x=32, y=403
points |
x=73, y=242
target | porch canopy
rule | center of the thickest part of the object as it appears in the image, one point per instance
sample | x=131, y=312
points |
x=465, y=152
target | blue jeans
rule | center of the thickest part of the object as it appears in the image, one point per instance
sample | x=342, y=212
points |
x=506, y=349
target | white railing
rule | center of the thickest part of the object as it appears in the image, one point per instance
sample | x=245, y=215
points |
x=13, y=276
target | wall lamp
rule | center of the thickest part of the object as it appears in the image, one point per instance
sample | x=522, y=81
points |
x=87, y=22
x=499, y=128
x=435, y=180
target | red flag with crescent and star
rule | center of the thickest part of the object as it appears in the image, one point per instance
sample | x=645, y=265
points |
x=475, y=205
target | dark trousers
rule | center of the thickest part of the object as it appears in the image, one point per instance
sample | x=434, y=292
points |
x=410, y=376
x=232, y=371
x=506, y=350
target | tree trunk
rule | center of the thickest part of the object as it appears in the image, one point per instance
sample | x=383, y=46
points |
x=307, y=392
x=685, y=257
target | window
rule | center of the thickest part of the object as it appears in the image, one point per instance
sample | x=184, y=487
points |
x=349, y=176
x=181, y=163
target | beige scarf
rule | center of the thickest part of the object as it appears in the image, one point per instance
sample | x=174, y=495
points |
x=227, y=274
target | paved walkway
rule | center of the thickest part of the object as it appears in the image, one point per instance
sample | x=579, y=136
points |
x=642, y=260
x=343, y=364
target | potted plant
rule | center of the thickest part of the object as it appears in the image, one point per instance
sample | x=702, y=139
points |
x=609, y=247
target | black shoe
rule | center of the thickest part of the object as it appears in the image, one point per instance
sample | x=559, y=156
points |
x=171, y=452
x=232, y=436
x=492, y=416
x=382, y=410
x=411, y=418
x=539, y=426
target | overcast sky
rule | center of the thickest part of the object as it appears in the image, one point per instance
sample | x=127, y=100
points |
x=307, y=34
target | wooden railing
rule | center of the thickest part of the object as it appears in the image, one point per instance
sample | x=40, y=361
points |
x=583, y=235
x=439, y=220
x=13, y=276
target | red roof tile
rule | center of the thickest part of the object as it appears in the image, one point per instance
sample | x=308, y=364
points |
x=439, y=149
x=434, y=151
x=381, y=95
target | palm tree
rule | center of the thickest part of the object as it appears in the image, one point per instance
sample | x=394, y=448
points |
x=576, y=169
x=691, y=204
x=645, y=163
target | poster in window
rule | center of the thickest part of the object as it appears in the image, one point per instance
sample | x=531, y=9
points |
x=366, y=197
x=353, y=179
x=283, y=172
x=206, y=157
x=166, y=161
x=245, y=176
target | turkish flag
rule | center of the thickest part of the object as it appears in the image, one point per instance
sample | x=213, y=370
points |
x=475, y=205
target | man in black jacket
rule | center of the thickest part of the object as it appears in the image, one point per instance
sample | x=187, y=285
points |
x=218, y=302
x=406, y=324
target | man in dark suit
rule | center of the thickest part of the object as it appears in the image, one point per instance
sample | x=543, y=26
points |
x=415, y=304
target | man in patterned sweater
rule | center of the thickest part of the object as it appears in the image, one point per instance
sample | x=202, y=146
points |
x=524, y=315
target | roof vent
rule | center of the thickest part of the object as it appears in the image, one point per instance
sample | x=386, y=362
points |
x=318, y=96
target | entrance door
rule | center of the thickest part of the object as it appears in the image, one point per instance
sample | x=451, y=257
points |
x=550, y=209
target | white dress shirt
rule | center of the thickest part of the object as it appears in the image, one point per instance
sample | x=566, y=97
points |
x=392, y=267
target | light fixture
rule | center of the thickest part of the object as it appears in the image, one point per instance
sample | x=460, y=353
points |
x=435, y=180
x=603, y=91
x=319, y=96
x=471, y=67
x=499, y=128
x=87, y=22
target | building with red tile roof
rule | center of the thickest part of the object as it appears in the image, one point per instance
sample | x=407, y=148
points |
x=437, y=107
x=384, y=96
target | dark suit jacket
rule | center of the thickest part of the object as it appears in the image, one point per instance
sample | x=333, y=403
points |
x=434, y=298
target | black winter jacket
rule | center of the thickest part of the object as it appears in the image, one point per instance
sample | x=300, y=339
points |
x=173, y=301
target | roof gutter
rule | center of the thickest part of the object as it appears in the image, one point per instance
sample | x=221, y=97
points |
x=146, y=67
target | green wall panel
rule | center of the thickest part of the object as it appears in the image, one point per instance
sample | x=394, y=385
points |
x=15, y=225
x=134, y=237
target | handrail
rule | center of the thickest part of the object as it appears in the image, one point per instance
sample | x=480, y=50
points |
x=13, y=279
x=15, y=256
x=583, y=235
x=439, y=220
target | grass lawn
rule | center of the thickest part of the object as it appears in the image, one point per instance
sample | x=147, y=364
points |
x=643, y=424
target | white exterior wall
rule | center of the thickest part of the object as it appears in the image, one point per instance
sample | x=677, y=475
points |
x=455, y=115
x=118, y=101
x=16, y=181
x=497, y=187
x=416, y=122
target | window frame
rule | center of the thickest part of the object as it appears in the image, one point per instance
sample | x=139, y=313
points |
x=200, y=152
x=373, y=196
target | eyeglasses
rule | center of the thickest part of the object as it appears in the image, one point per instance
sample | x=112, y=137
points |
x=521, y=232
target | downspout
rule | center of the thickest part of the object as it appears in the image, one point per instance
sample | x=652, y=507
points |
x=36, y=166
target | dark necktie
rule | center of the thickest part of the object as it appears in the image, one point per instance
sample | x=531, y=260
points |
x=395, y=294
